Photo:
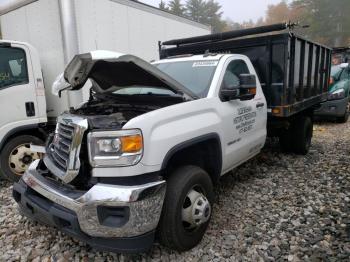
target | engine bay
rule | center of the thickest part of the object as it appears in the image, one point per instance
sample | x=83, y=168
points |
x=114, y=111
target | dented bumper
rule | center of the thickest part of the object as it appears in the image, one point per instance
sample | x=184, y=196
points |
x=104, y=216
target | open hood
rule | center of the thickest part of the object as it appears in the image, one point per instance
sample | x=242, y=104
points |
x=111, y=71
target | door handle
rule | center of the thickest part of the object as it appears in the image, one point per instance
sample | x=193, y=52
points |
x=30, y=108
x=260, y=105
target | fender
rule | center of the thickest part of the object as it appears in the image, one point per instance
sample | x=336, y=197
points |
x=15, y=131
x=192, y=142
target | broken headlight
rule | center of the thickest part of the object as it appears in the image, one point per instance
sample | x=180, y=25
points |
x=115, y=148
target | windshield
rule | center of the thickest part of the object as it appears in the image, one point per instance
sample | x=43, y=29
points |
x=194, y=75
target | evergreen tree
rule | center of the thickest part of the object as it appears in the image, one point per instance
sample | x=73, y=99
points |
x=176, y=7
x=212, y=16
x=162, y=6
x=195, y=9
x=206, y=12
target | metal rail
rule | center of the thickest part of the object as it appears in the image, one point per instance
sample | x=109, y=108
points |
x=231, y=34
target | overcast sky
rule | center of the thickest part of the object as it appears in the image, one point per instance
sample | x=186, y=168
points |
x=237, y=10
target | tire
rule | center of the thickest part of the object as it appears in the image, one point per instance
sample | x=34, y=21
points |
x=2, y=177
x=285, y=141
x=345, y=117
x=173, y=232
x=301, y=132
x=12, y=163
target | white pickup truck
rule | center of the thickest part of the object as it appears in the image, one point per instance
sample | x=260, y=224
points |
x=144, y=152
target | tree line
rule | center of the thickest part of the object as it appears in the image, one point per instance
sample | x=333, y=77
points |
x=203, y=11
x=325, y=21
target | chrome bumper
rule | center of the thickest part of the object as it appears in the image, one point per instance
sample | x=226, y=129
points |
x=144, y=203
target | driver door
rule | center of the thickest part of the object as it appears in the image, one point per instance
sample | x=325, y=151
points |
x=244, y=122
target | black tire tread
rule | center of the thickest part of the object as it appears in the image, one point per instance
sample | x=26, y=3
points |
x=167, y=231
x=285, y=141
x=299, y=134
x=343, y=119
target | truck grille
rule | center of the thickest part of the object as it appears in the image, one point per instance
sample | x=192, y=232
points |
x=61, y=145
x=62, y=157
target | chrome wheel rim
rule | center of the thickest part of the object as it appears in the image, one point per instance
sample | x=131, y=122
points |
x=20, y=158
x=196, y=210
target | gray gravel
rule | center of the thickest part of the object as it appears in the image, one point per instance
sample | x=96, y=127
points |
x=276, y=207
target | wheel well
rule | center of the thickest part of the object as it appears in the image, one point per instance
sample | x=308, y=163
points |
x=204, y=152
x=276, y=126
x=37, y=132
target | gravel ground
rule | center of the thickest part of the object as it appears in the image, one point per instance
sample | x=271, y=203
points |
x=276, y=207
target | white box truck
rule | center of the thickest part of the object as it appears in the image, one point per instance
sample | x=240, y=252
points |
x=43, y=36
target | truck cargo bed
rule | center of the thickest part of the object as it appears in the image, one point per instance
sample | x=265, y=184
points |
x=294, y=72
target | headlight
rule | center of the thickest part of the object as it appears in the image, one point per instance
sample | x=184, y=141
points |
x=337, y=94
x=115, y=148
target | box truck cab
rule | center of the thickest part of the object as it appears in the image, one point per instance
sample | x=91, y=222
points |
x=23, y=106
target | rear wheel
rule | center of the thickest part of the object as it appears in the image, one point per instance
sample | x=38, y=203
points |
x=285, y=141
x=187, y=208
x=297, y=138
x=301, y=133
x=16, y=156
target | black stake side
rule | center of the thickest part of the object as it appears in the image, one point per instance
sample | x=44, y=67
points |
x=230, y=34
x=293, y=71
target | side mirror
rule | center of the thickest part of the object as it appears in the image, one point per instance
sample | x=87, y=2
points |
x=246, y=89
x=247, y=86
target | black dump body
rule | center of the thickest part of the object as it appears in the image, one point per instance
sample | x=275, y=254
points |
x=294, y=72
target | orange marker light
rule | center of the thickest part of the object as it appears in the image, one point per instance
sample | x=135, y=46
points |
x=252, y=91
x=131, y=144
x=276, y=111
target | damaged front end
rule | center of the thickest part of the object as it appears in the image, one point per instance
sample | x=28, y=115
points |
x=119, y=212
x=108, y=214
x=108, y=217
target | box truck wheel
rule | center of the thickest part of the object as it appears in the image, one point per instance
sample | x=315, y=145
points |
x=16, y=156
x=302, y=129
x=187, y=208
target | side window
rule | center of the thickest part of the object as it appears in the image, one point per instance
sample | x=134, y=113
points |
x=13, y=67
x=233, y=70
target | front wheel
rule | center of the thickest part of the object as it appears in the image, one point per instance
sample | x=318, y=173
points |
x=187, y=208
x=16, y=156
x=345, y=117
